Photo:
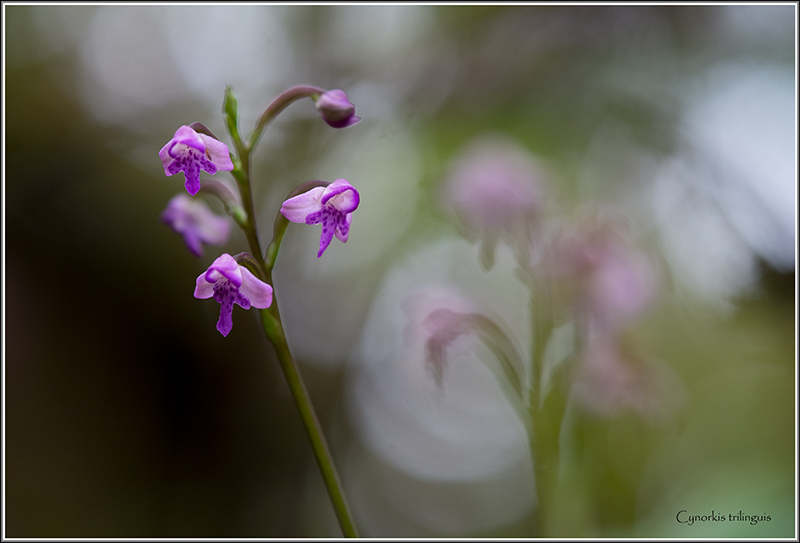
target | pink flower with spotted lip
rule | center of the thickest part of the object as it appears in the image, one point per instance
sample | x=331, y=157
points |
x=335, y=109
x=189, y=152
x=332, y=206
x=230, y=283
x=196, y=223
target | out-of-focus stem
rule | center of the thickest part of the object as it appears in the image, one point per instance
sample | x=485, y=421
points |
x=546, y=413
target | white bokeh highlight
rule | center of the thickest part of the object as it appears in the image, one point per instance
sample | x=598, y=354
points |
x=464, y=433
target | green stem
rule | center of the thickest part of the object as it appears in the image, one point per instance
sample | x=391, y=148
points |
x=281, y=223
x=270, y=320
x=228, y=199
x=546, y=422
x=279, y=104
x=546, y=410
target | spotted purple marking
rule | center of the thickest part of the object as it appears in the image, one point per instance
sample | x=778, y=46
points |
x=227, y=294
x=190, y=162
x=331, y=219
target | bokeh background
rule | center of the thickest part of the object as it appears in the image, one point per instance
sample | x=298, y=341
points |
x=128, y=415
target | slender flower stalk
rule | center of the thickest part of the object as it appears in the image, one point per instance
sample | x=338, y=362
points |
x=281, y=102
x=270, y=316
x=246, y=279
x=270, y=320
x=546, y=413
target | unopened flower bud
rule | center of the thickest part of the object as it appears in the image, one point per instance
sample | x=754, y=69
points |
x=335, y=108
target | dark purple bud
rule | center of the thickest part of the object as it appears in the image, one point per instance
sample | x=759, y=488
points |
x=335, y=109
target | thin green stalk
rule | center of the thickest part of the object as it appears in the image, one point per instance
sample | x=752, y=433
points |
x=250, y=230
x=544, y=449
x=546, y=412
x=279, y=104
x=272, y=327
x=270, y=318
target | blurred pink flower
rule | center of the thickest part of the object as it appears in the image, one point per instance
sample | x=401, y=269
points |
x=435, y=322
x=495, y=188
x=595, y=268
x=610, y=379
x=195, y=222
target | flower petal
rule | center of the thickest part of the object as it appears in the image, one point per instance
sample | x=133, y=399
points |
x=186, y=136
x=296, y=209
x=203, y=289
x=218, y=152
x=257, y=291
x=335, y=108
x=193, y=243
x=195, y=222
x=210, y=228
x=166, y=158
x=350, y=121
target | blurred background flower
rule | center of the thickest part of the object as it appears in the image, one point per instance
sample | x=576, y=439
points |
x=495, y=189
x=127, y=415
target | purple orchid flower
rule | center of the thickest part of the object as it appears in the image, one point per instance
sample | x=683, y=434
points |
x=196, y=223
x=335, y=108
x=230, y=283
x=190, y=151
x=332, y=206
